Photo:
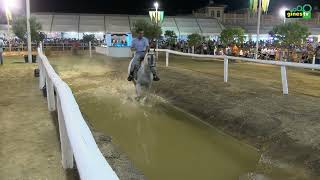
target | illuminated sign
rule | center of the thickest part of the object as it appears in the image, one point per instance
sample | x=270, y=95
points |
x=156, y=16
x=300, y=12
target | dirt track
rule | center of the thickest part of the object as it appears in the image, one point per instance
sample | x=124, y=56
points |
x=29, y=145
x=251, y=105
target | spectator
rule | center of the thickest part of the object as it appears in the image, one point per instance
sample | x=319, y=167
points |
x=272, y=54
x=317, y=54
x=205, y=49
x=235, y=50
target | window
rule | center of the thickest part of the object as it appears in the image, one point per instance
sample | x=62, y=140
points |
x=218, y=13
x=212, y=13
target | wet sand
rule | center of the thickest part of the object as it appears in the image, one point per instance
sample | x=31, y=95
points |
x=238, y=108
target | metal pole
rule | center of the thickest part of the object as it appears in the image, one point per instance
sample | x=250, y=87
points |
x=90, y=49
x=167, y=59
x=226, y=63
x=258, y=29
x=29, y=31
x=9, y=34
x=313, y=61
x=285, y=90
x=157, y=53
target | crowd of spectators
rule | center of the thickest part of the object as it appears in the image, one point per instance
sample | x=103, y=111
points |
x=268, y=51
x=16, y=44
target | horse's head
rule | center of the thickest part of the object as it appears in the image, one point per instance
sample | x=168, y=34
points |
x=145, y=63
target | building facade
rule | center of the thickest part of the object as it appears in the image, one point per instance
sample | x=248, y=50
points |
x=248, y=21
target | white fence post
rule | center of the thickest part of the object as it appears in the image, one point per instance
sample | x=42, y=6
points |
x=90, y=50
x=284, y=80
x=42, y=72
x=41, y=48
x=313, y=60
x=192, y=52
x=66, y=150
x=50, y=94
x=167, y=58
x=226, y=63
x=62, y=46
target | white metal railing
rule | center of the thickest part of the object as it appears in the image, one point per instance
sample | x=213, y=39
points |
x=282, y=64
x=102, y=50
x=75, y=136
x=52, y=46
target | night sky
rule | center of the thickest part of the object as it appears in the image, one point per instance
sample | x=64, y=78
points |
x=171, y=7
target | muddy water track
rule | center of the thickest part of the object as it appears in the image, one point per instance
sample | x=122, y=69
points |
x=165, y=142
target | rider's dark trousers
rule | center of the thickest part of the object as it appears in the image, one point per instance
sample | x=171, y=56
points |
x=136, y=63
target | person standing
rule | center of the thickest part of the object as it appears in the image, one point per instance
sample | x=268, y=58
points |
x=272, y=54
x=317, y=54
x=205, y=49
x=1, y=50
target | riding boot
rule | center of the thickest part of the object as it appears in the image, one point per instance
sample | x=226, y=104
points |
x=155, y=77
x=130, y=77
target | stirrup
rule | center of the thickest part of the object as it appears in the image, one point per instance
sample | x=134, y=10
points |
x=156, y=78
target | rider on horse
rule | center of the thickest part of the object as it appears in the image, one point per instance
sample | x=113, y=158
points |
x=141, y=45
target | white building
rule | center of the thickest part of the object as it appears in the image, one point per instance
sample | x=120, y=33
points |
x=248, y=20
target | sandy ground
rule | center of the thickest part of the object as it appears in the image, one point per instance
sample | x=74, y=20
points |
x=29, y=145
x=117, y=159
x=250, y=106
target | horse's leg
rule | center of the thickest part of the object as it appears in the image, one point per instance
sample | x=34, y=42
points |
x=138, y=90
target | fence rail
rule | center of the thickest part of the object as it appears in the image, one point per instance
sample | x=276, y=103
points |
x=75, y=136
x=282, y=64
x=52, y=46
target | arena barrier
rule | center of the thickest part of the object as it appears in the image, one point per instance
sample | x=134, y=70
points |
x=282, y=64
x=75, y=136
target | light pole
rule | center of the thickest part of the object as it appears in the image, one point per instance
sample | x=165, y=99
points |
x=8, y=5
x=156, y=5
x=258, y=29
x=282, y=13
x=29, y=31
x=262, y=6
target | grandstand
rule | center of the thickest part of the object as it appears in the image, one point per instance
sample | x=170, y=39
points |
x=76, y=24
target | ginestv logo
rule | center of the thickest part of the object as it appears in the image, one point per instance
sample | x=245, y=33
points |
x=300, y=12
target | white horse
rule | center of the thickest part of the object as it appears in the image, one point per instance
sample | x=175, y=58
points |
x=143, y=78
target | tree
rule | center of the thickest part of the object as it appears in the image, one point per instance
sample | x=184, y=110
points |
x=19, y=28
x=291, y=33
x=171, y=37
x=194, y=39
x=151, y=31
x=232, y=35
x=89, y=37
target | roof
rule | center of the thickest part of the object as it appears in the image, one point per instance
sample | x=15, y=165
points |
x=81, y=23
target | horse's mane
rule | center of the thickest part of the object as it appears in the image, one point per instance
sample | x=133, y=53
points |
x=145, y=64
